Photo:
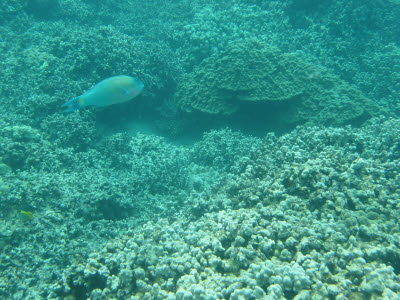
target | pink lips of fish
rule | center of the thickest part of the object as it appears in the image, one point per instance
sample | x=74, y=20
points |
x=113, y=90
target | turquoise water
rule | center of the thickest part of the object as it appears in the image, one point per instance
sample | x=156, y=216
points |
x=260, y=160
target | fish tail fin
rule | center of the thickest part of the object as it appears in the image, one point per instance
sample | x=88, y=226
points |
x=73, y=104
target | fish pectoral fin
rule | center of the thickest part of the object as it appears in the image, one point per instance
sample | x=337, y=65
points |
x=124, y=91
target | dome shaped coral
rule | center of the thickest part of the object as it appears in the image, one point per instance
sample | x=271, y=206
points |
x=252, y=71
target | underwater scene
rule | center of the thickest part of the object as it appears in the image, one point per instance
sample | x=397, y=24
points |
x=193, y=149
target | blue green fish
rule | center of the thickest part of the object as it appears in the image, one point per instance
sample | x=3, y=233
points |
x=113, y=90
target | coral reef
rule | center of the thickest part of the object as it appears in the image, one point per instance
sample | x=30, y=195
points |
x=316, y=206
x=222, y=149
x=98, y=205
x=252, y=71
x=334, y=34
x=263, y=252
x=247, y=70
x=312, y=213
x=56, y=52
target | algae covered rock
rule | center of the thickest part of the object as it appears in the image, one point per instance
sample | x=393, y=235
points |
x=250, y=70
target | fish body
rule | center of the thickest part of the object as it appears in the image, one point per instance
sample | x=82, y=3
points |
x=28, y=215
x=113, y=90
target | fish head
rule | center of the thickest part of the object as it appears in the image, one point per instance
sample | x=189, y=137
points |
x=130, y=87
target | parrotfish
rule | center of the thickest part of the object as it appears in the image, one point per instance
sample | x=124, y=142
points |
x=113, y=90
